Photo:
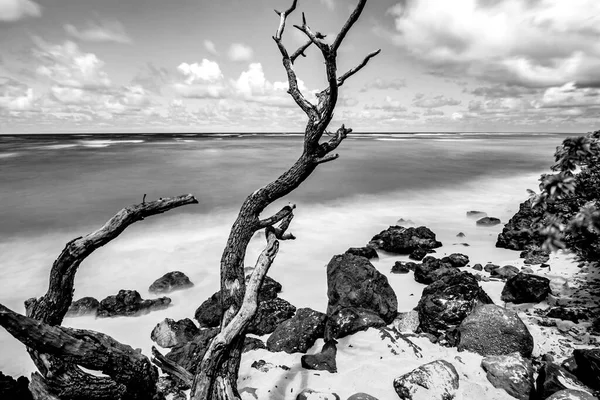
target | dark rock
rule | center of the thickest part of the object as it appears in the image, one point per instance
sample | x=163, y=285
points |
x=170, y=282
x=535, y=255
x=437, y=380
x=570, y=365
x=456, y=260
x=526, y=270
x=570, y=394
x=269, y=289
x=476, y=214
x=491, y=331
x=309, y=394
x=525, y=288
x=490, y=267
x=418, y=254
x=545, y=266
x=349, y=320
x=83, y=306
x=130, y=303
x=588, y=366
x=568, y=314
x=506, y=272
x=269, y=315
x=460, y=235
x=187, y=354
x=353, y=282
x=299, y=333
x=445, y=303
x=512, y=373
x=400, y=240
x=14, y=389
x=169, y=333
x=478, y=267
x=366, y=252
x=251, y=343
x=553, y=378
x=323, y=361
x=488, y=221
x=517, y=233
x=433, y=269
x=400, y=268
x=361, y=396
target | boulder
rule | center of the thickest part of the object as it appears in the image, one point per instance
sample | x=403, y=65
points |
x=355, y=284
x=252, y=343
x=506, y=272
x=535, y=255
x=170, y=282
x=571, y=394
x=488, y=221
x=130, y=303
x=299, y=333
x=269, y=315
x=517, y=233
x=456, y=260
x=478, y=267
x=169, y=333
x=323, y=361
x=574, y=314
x=418, y=254
x=187, y=354
x=512, y=373
x=588, y=366
x=401, y=268
x=349, y=320
x=366, y=252
x=432, y=269
x=460, y=235
x=445, y=303
x=437, y=380
x=489, y=267
x=570, y=365
x=14, y=389
x=525, y=288
x=491, y=330
x=553, y=378
x=400, y=240
x=476, y=214
x=309, y=394
x=361, y=396
x=83, y=306
x=407, y=322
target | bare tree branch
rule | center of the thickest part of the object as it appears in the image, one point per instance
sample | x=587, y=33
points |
x=327, y=158
x=281, y=214
x=171, y=368
x=351, y=20
x=300, y=51
x=283, y=17
x=354, y=70
x=315, y=38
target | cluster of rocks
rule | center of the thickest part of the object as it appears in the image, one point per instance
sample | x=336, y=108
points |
x=129, y=302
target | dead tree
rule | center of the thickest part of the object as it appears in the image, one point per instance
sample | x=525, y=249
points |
x=217, y=377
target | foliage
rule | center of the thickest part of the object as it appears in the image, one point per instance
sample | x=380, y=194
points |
x=570, y=198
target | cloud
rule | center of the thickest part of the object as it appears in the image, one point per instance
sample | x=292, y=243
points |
x=430, y=112
x=153, y=78
x=14, y=10
x=536, y=43
x=568, y=95
x=204, y=80
x=500, y=90
x=389, y=105
x=420, y=100
x=210, y=47
x=15, y=96
x=103, y=31
x=383, y=84
x=240, y=52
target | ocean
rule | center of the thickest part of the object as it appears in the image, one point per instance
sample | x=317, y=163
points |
x=54, y=188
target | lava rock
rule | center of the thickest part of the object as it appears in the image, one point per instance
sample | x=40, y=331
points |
x=445, y=303
x=517, y=233
x=349, y=320
x=571, y=394
x=170, y=282
x=437, y=380
x=568, y=314
x=525, y=288
x=361, y=396
x=490, y=267
x=476, y=214
x=491, y=330
x=418, y=254
x=309, y=394
x=130, y=303
x=478, y=267
x=460, y=235
x=169, y=333
x=323, y=361
x=83, y=306
x=400, y=240
x=400, y=268
x=269, y=315
x=187, y=354
x=299, y=333
x=251, y=343
x=488, y=221
x=553, y=378
x=535, y=255
x=512, y=373
x=506, y=272
x=588, y=366
x=366, y=252
x=433, y=269
x=407, y=322
x=456, y=260
x=14, y=389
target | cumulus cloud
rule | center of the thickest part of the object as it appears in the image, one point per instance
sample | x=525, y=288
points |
x=539, y=43
x=210, y=47
x=14, y=10
x=103, y=31
x=240, y=52
x=568, y=95
x=389, y=104
x=15, y=96
x=383, y=84
x=420, y=100
x=204, y=80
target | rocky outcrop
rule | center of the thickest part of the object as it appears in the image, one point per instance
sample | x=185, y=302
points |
x=432, y=269
x=505, y=272
x=488, y=221
x=445, y=303
x=252, y=343
x=525, y=288
x=491, y=330
x=170, y=282
x=323, y=361
x=418, y=254
x=83, y=306
x=456, y=260
x=170, y=333
x=187, y=354
x=512, y=373
x=535, y=255
x=14, y=389
x=349, y=320
x=129, y=303
x=309, y=394
x=269, y=315
x=574, y=314
x=553, y=378
x=299, y=333
x=437, y=380
x=356, y=288
x=588, y=366
x=366, y=252
x=517, y=233
x=400, y=240
x=402, y=268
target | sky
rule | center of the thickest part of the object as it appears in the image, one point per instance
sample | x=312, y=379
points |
x=212, y=66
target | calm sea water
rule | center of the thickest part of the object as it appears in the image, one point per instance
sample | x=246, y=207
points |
x=54, y=188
